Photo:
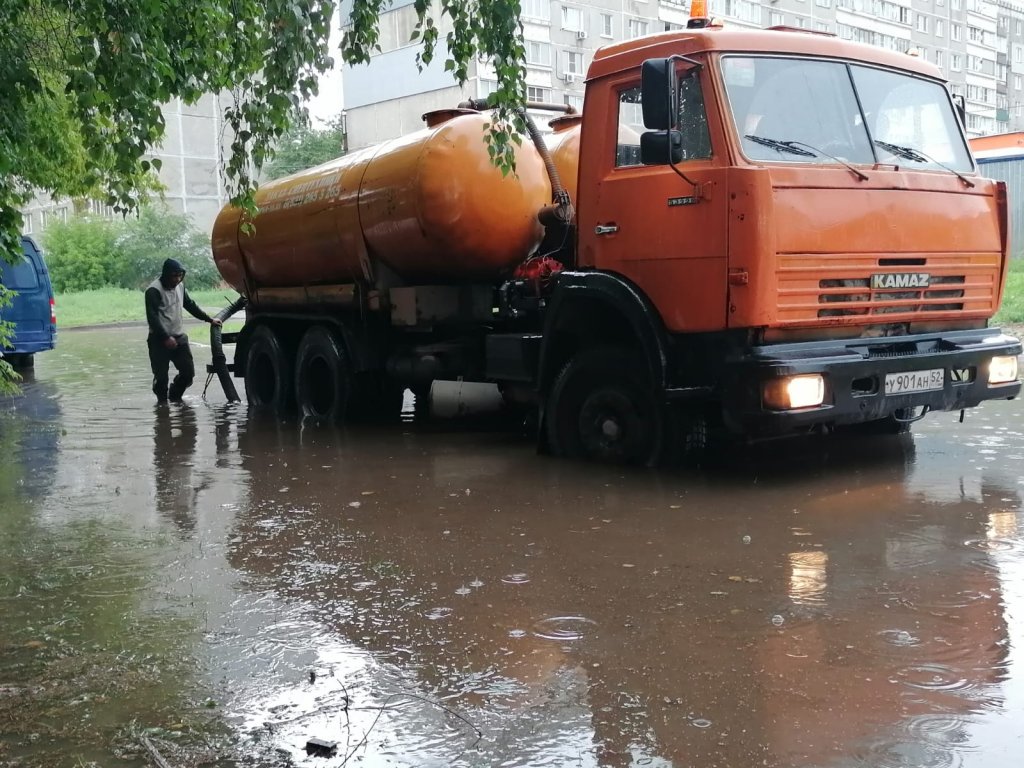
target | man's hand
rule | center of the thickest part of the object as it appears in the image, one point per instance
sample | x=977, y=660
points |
x=216, y=322
x=170, y=343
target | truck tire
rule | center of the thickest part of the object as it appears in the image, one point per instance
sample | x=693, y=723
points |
x=268, y=373
x=890, y=425
x=324, y=381
x=602, y=407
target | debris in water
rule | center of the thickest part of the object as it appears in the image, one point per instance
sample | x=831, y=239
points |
x=777, y=620
x=321, y=748
x=746, y=539
x=154, y=753
x=355, y=504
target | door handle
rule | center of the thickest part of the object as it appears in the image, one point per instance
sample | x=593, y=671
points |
x=606, y=229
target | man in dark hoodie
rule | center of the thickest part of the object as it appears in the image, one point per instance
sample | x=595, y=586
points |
x=165, y=298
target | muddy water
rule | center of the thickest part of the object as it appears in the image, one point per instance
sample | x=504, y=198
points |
x=218, y=589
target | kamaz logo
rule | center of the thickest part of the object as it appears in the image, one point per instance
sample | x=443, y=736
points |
x=900, y=280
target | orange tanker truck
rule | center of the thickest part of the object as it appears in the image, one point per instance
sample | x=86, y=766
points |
x=757, y=232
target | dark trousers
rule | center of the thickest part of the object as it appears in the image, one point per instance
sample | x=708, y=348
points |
x=160, y=359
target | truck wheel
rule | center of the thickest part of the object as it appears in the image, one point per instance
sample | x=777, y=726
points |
x=324, y=382
x=268, y=373
x=603, y=407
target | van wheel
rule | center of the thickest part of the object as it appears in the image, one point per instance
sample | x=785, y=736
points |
x=268, y=373
x=21, y=361
x=324, y=382
x=602, y=407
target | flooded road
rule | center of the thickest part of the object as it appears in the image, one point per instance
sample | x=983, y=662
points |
x=216, y=590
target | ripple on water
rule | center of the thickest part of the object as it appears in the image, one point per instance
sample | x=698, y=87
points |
x=925, y=741
x=515, y=578
x=993, y=544
x=933, y=677
x=899, y=638
x=435, y=614
x=563, y=628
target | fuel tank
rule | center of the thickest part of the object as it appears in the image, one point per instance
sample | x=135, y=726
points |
x=429, y=207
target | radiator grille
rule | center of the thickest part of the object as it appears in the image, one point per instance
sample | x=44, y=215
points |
x=857, y=291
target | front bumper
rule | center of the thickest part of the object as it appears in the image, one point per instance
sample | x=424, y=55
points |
x=854, y=372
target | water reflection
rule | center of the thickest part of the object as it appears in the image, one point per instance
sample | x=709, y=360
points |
x=653, y=592
x=174, y=445
x=425, y=595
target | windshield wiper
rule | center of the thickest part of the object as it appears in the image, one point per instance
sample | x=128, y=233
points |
x=781, y=146
x=917, y=156
x=794, y=147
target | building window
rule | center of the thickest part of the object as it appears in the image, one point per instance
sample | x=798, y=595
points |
x=637, y=28
x=801, y=22
x=938, y=58
x=821, y=26
x=572, y=19
x=26, y=224
x=607, y=30
x=1018, y=54
x=575, y=101
x=956, y=31
x=940, y=28
x=956, y=5
x=536, y=93
x=538, y=54
x=776, y=19
x=573, y=63
x=537, y=9
x=1017, y=27
x=904, y=15
x=954, y=62
x=1018, y=82
x=823, y=3
x=922, y=23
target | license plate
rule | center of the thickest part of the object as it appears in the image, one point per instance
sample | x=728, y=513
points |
x=914, y=381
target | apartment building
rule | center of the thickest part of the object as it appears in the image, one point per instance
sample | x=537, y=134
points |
x=978, y=45
x=190, y=157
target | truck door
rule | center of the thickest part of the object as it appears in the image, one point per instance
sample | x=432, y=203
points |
x=646, y=222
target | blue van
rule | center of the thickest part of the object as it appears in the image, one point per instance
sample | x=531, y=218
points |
x=32, y=310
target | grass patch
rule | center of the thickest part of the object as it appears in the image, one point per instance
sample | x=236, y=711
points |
x=119, y=305
x=1012, y=310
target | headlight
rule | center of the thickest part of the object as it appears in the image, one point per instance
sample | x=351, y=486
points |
x=791, y=392
x=1002, y=369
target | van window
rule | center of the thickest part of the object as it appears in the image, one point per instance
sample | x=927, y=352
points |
x=692, y=121
x=20, y=276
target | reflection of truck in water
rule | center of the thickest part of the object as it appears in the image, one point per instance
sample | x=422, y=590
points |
x=31, y=313
x=797, y=240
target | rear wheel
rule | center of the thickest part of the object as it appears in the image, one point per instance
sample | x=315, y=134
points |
x=324, y=381
x=268, y=372
x=602, y=407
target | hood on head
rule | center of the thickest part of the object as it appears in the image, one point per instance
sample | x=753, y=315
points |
x=172, y=266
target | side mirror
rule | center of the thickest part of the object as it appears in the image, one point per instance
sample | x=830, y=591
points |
x=658, y=93
x=656, y=145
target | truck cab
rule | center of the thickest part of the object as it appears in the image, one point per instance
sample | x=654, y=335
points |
x=806, y=227
x=31, y=313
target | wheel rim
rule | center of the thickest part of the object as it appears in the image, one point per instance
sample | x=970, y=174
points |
x=614, y=427
x=321, y=387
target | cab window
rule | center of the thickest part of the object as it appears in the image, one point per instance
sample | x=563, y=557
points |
x=692, y=121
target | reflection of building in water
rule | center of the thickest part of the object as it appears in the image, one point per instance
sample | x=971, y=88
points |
x=174, y=447
x=747, y=618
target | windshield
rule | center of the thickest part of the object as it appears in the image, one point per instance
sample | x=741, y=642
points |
x=807, y=111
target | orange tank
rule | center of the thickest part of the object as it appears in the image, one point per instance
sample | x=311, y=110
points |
x=428, y=207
